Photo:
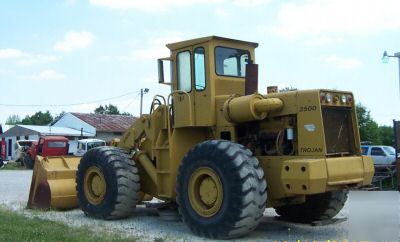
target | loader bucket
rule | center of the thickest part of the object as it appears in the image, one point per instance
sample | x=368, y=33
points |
x=53, y=183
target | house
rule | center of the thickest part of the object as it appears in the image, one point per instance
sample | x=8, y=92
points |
x=32, y=132
x=102, y=126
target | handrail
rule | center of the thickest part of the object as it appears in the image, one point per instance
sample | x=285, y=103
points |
x=169, y=104
x=154, y=99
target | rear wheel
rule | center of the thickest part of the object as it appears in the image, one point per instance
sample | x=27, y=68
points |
x=317, y=207
x=108, y=183
x=28, y=162
x=221, y=190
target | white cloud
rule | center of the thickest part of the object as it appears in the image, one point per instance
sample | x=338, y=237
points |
x=149, y=6
x=250, y=3
x=11, y=53
x=74, y=40
x=38, y=59
x=324, y=40
x=47, y=75
x=25, y=58
x=342, y=63
x=70, y=2
x=221, y=13
x=156, y=46
x=322, y=17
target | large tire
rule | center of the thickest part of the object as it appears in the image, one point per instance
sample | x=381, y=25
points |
x=242, y=185
x=120, y=183
x=317, y=207
x=28, y=162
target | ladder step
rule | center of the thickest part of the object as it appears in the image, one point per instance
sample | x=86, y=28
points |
x=161, y=148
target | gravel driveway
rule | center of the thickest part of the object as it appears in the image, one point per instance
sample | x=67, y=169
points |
x=147, y=225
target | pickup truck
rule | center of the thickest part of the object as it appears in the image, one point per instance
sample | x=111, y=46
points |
x=86, y=144
x=21, y=147
x=382, y=155
x=46, y=146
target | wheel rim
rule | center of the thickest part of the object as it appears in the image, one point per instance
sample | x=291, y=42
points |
x=205, y=191
x=94, y=185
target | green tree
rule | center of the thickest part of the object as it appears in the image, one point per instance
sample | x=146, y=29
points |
x=110, y=109
x=386, y=135
x=39, y=118
x=371, y=131
x=60, y=115
x=368, y=127
x=107, y=109
x=13, y=119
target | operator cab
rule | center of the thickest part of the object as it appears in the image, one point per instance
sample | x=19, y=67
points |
x=201, y=70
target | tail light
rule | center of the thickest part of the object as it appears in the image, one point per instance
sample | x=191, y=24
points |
x=349, y=99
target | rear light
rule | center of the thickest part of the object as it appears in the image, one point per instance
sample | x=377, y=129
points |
x=343, y=99
x=328, y=98
x=349, y=99
x=322, y=97
x=336, y=99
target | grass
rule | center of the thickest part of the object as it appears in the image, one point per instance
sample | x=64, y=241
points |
x=13, y=166
x=15, y=227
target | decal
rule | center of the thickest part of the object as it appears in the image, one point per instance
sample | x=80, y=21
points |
x=310, y=150
x=308, y=108
x=310, y=127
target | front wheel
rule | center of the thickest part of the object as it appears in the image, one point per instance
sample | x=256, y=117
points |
x=107, y=183
x=221, y=190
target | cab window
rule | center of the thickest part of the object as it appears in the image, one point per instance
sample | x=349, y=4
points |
x=231, y=62
x=199, y=69
x=56, y=144
x=184, y=71
x=377, y=151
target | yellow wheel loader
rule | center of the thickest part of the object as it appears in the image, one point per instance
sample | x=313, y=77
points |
x=223, y=152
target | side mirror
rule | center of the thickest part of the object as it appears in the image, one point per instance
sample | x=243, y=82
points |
x=164, y=69
x=160, y=71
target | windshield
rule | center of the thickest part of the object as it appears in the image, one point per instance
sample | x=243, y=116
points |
x=389, y=150
x=231, y=62
x=95, y=144
x=25, y=143
x=57, y=144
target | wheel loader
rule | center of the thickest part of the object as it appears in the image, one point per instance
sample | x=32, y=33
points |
x=223, y=152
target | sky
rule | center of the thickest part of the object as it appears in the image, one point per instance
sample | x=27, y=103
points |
x=73, y=55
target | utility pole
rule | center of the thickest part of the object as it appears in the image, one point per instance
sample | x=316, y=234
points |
x=385, y=59
x=142, y=92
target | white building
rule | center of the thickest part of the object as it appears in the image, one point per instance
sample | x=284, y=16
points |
x=32, y=132
x=102, y=126
x=74, y=126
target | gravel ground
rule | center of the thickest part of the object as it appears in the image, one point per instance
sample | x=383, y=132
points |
x=148, y=226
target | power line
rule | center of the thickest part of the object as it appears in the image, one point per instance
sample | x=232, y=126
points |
x=68, y=104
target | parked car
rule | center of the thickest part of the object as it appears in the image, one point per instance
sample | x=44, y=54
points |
x=382, y=155
x=20, y=149
x=86, y=144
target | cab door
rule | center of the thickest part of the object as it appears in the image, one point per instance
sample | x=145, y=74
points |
x=183, y=95
x=202, y=102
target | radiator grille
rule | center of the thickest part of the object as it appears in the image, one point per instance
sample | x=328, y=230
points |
x=338, y=127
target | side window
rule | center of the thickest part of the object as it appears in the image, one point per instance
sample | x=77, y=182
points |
x=377, y=151
x=199, y=69
x=230, y=67
x=184, y=71
x=230, y=61
x=243, y=62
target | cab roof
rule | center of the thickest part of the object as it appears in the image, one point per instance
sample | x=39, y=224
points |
x=186, y=43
